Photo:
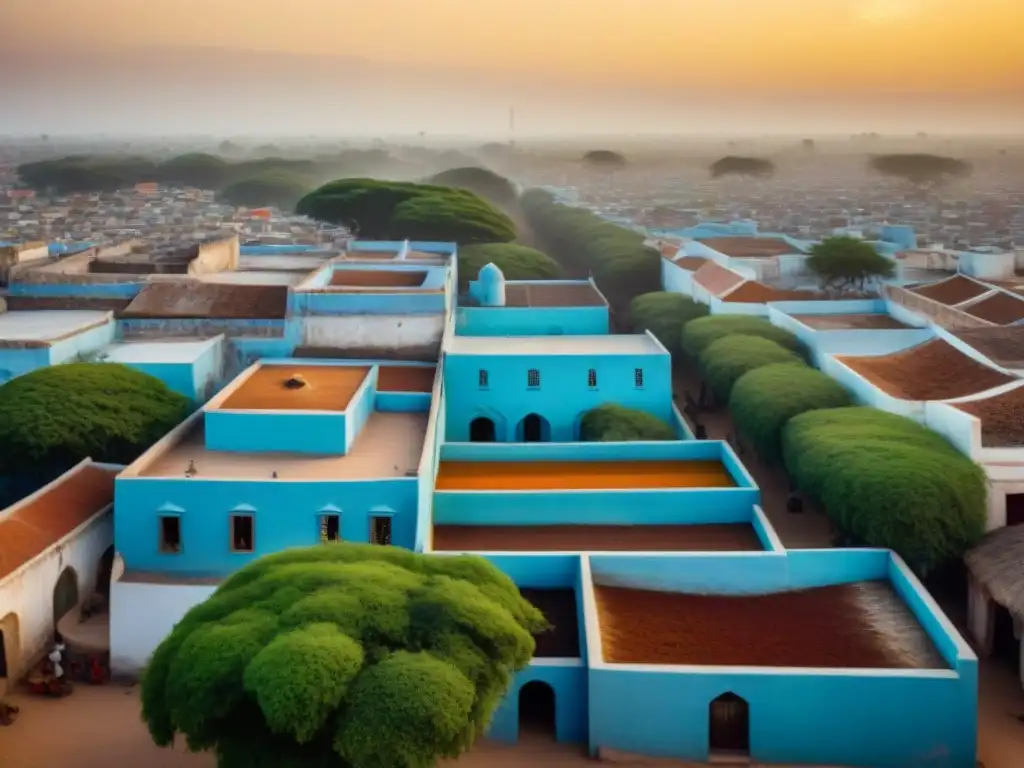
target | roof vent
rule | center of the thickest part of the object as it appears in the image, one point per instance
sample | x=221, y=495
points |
x=295, y=381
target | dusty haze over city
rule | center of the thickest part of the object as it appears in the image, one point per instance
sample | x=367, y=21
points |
x=568, y=67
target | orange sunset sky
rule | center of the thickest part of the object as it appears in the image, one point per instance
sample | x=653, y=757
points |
x=949, y=50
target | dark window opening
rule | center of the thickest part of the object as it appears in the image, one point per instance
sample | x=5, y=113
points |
x=638, y=377
x=104, y=571
x=592, y=378
x=533, y=378
x=533, y=429
x=330, y=528
x=3, y=656
x=65, y=594
x=170, y=534
x=1005, y=646
x=481, y=430
x=1015, y=509
x=482, y=379
x=380, y=530
x=729, y=725
x=537, y=709
x=242, y=533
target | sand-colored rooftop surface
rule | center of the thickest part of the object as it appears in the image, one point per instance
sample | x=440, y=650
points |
x=389, y=445
x=750, y=247
x=32, y=526
x=580, y=475
x=1002, y=419
x=1003, y=346
x=953, y=290
x=717, y=280
x=735, y=537
x=377, y=278
x=1000, y=308
x=406, y=378
x=865, y=625
x=553, y=294
x=297, y=388
x=850, y=322
x=197, y=299
x=935, y=370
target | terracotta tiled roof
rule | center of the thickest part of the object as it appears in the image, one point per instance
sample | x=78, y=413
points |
x=717, y=280
x=35, y=524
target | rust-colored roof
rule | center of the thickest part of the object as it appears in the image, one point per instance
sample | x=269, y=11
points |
x=753, y=292
x=553, y=294
x=1003, y=346
x=406, y=378
x=952, y=290
x=1000, y=308
x=935, y=370
x=750, y=247
x=1002, y=418
x=378, y=278
x=691, y=263
x=194, y=299
x=717, y=280
x=33, y=525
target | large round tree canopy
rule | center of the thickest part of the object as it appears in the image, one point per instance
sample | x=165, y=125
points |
x=343, y=655
x=920, y=168
x=276, y=188
x=733, y=165
x=398, y=210
x=481, y=181
x=604, y=159
x=53, y=418
x=516, y=262
x=615, y=423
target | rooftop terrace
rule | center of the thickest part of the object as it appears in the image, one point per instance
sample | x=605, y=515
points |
x=726, y=537
x=176, y=351
x=864, y=625
x=1003, y=346
x=1001, y=417
x=255, y=277
x=580, y=475
x=553, y=294
x=388, y=446
x=296, y=388
x=749, y=247
x=621, y=344
x=954, y=290
x=406, y=378
x=935, y=370
x=1000, y=308
x=197, y=299
x=46, y=325
x=850, y=322
x=376, y=278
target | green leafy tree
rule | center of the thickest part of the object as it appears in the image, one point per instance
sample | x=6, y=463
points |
x=698, y=334
x=886, y=481
x=389, y=210
x=763, y=400
x=342, y=655
x=481, y=181
x=196, y=169
x=614, y=423
x=848, y=264
x=604, y=160
x=920, y=168
x=664, y=314
x=723, y=362
x=87, y=173
x=271, y=188
x=516, y=262
x=53, y=418
x=733, y=165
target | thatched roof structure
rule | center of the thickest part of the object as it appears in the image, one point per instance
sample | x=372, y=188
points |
x=997, y=564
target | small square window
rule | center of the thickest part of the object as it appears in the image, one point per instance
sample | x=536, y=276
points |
x=170, y=534
x=592, y=378
x=533, y=378
x=330, y=528
x=242, y=532
x=638, y=377
x=482, y=379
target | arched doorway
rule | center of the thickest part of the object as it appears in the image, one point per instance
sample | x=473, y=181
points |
x=65, y=594
x=537, y=710
x=103, y=572
x=534, y=428
x=481, y=430
x=729, y=725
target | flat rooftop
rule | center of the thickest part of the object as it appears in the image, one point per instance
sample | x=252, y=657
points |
x=299, y=262
x=935, y=370
x=297, y=388
x=388, y=446
x=726, y=537
x=750, y=247
x=377, y=278
x=863, y=626
x=553, y=294
x=952, y=290
x=189, y=299
x=406, y=378
x=580, y=475
x=254, y=277
x=176, y=351
x=1003, y=346
x=1001, y=417
x=618, y=344
x=1001, y=308
x=850, y=322
x=562, y=641
x=47, y=325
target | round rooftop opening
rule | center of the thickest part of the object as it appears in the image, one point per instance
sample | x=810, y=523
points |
x=295, y=381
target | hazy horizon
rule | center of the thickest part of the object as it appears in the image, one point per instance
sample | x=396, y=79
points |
x=567, y=67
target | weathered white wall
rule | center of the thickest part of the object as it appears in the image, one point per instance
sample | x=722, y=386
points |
x=28, y=592
x=143, y=614
x=378, y=331
x=216, y=256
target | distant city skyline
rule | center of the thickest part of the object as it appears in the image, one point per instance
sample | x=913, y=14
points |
x=569, y=66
